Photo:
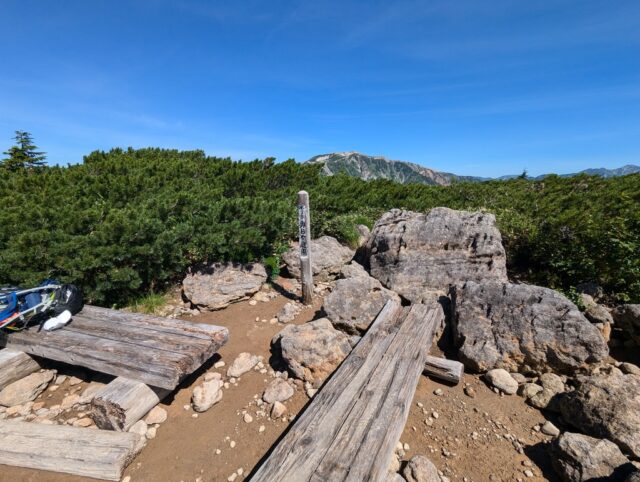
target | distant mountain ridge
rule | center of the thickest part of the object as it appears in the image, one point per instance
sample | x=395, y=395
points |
x=377, y=167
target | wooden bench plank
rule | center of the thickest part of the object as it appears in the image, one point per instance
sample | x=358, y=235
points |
x=448, y=370
x=156, y=351
x=318, y=424
x=349, y=430
x=89, y=452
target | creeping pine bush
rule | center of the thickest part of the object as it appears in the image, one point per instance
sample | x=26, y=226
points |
x=127, y=223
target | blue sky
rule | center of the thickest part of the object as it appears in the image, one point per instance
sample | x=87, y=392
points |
x=465, y=86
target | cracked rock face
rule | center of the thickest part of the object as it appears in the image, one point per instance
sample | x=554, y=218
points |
x=216, y=286
x=356, y=300
x=580, y=458
x=312, y=351
x=608, y=406
x=328, y=257
x=420, y=255
x=522, y=327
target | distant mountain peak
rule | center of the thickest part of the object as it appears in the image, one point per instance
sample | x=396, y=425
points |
x=369, y=167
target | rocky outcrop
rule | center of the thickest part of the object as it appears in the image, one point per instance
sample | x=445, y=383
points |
x=521, y=328
x=312, y=351
x=216, y=286
x=356, y=300
x=420, y=255
x=580, y=458
x=328, y=257
x=627, y=317
x=606, y=405
x=25, y=389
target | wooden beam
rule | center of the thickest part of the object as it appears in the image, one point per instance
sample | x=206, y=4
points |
x=88, y=452
x=15, y=365
x=304, y=224
x=121, y=403
x=351, y=427
x=156, y=351
x=448, y=370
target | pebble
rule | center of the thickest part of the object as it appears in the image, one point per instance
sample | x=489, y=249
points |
x=252, y=303
x=233, y=476
x=528, y=473
x=247, y=418
x=435, y=415
x=127, y=479
x=550, y=429
x=420, y=404
x=438, y=392
x=219, y=364
x=218, y=451
x=232, y=444
x=262, y=428
x=469, y=391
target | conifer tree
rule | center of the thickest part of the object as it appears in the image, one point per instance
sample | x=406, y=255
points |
x=24, y=154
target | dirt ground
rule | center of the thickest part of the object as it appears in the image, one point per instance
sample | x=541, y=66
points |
x=488, y=437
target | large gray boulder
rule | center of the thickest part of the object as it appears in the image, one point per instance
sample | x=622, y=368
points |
x=216, y=286
x=627, y=317
x=328, y=257
x=356, y=300
x=420, y=255
x=580, y=458
x=606, y=405
x=520, y=328
x=312, y=351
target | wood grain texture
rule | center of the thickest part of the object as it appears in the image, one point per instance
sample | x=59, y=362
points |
x=351, y=427
x=89, y=452
x=121, y=403
x=15, y=365
x=448, y=370
x=156, y=351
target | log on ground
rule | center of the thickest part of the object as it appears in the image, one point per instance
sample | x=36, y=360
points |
x=448, y=370
x=121, y=403
x=100, y=454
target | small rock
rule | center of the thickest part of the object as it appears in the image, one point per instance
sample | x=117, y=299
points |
x=83, y=422
x=261, y=429
x=528, y=473
x=500, y=379
x=420, y=469
x=151, y=433
x=25, y=389
x=73, y=381
x=469, y=391
x=219, y=364
x=278, y=410
x=288, y=312
x=528, y=390
x=247, y=418
x=242, y=364
x=156, y=415
x=438, y=392
x=278, y=390
x=206, y=395
x=140, y=427
x=550, y=429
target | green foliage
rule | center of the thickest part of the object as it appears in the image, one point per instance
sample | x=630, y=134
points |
x=149, y=304
x=127, y=222
x=23, y=155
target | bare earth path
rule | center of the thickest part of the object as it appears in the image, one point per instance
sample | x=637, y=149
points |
x=473, y=438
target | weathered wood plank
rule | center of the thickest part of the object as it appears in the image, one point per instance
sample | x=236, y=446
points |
x=448, y=370
x=88, y=452
x=156, y=351
x=121, y=403
x=349, y=430
x=319, y=423
x=157, y=368
x=364, y=446
x=15, y=365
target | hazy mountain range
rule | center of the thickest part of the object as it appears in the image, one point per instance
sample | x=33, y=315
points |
x=378, y=167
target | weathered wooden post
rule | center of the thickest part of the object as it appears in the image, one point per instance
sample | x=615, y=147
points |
x=304, y=223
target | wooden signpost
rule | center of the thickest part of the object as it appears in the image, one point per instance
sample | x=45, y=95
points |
x=304, y=223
